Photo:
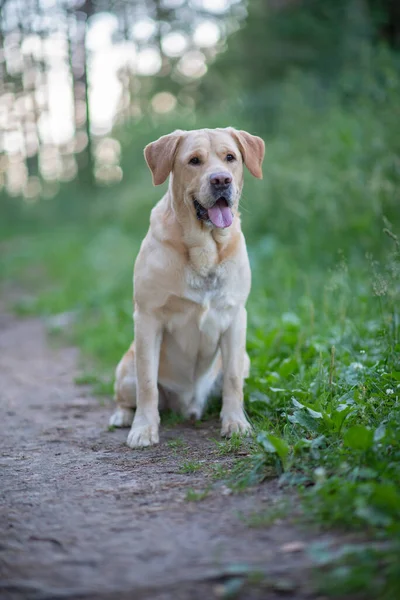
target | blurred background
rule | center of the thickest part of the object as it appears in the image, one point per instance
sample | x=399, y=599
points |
x=85, y=85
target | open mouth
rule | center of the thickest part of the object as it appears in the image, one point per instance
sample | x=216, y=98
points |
x=220, y=214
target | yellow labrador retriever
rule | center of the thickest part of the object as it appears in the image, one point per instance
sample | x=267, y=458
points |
x=191, y=282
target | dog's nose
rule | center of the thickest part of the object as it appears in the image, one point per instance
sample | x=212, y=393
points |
x=221, y=181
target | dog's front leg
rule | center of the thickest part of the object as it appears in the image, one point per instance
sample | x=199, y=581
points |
x=233, y=349
x=148, y=333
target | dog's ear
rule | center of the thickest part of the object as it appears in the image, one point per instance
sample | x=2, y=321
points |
x=252, y=148
x=160, y=155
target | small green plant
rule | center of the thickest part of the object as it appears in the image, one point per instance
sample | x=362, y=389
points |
x=249, y=471
x=189, y=467
x=176, y=443
x=196, y=495
x=219, y=471
x=276, y=446
x=232, y=445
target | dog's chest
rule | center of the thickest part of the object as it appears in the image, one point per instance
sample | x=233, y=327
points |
x=204, y=304
x=208, y=292
x=202, y=285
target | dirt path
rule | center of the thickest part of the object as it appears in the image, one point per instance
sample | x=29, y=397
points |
x=83, y=516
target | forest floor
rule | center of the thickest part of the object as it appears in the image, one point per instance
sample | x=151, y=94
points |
x=84, y=516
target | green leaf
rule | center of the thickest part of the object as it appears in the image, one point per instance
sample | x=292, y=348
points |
x=314, y=413
x=291, y=319
x=317, y=442
x=358, y=437
x=379, y=433
x=272, y=378
x=305, y=420
x=287, y=367
x=342, y=407
x=371, y=515
x=366, y=473
x=340, y=414
x=296, y=403
x=393, y=375
x=387, y=498
x=273, y=444
x=302, y=444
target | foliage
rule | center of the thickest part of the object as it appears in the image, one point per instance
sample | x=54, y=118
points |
x=317, y=37
x=234, y=445
x=190, y=466
x=325, y=395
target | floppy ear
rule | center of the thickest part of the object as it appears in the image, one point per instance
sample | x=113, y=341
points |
x=252, y=148
x=160, y=156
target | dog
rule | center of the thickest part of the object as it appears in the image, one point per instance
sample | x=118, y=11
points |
x=191, y=282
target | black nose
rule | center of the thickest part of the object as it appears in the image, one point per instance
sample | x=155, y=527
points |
x=221, y=181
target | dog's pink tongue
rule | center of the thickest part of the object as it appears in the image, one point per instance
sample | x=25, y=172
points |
x=220, y=214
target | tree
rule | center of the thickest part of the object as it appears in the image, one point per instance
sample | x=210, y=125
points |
x=319, y=37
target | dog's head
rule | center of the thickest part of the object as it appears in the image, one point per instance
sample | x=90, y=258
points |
x=207, y=169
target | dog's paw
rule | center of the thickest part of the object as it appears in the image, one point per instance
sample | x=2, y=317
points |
x=122, y=417
x=235, y=424
x=141, y=436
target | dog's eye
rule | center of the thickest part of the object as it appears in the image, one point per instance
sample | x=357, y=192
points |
x=230, y=158
x=194, y=161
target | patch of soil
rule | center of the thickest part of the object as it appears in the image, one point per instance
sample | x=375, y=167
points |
x=84, y=516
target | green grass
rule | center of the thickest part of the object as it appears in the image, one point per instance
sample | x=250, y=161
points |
x=196, y=495
x=237, y=443
x=325, y=396
x=323, y=331
x=190, y=466
x=218, y=471
x=177, y=443
x=178, y=446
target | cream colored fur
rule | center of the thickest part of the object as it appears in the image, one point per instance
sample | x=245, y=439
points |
x=191, y=283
